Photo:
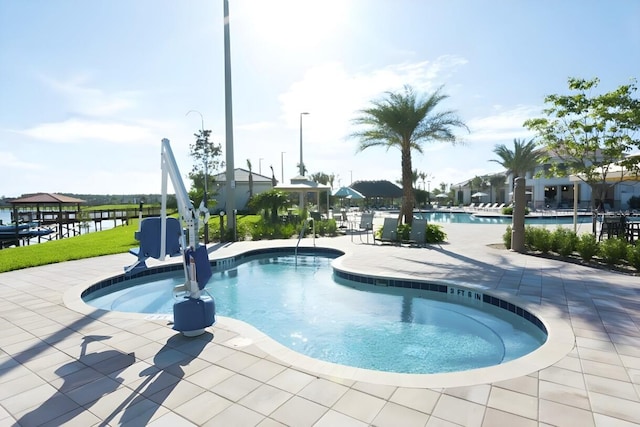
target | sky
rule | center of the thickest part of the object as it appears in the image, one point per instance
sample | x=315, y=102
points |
x=89, y=89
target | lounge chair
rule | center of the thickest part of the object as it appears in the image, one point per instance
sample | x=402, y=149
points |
x=389, y=231
x=418, y=233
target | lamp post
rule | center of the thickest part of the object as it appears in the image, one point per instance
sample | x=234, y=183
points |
x=206, y=172
x=301, y=161
x=428, y=191
x=282, y=166
x=260, y=165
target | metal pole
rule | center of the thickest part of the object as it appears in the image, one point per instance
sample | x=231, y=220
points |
x=301, y=161
x=230, y=175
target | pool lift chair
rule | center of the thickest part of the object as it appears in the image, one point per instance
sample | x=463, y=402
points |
x=162, y=236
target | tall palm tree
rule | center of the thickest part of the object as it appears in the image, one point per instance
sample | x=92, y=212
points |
x=405, y=120
x=249, y=165
x=522, y=159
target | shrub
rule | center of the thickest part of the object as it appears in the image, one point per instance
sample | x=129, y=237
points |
x=268, y=230
x=325, y=227
x=529, y=235
x=633, y=256
x=404, y=230
x=541, y=239
x=587, y=246
x=506, y=237
x=508, y=210
x=613, y=250
x=435, y=234
x=563, y=241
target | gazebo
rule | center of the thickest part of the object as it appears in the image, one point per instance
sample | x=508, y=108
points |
x=49, y=209
x=301, y=185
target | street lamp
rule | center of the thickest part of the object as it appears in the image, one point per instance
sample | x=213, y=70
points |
x=282, y=166
x=206, y=174
x=428, y=191
x=301, y=162
x=260, y=165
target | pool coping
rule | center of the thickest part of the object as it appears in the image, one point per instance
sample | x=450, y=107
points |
x=560, y=337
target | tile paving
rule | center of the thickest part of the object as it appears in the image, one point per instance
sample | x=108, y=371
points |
x=62, y=363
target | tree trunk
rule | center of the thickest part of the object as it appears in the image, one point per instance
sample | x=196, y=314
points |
x=406, y=211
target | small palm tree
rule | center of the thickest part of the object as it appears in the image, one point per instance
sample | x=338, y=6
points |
x=522, y=159
x=405, y=121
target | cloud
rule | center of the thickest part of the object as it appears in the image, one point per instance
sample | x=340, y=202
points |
x=79, y=98
x=503, y=125
x=81, y=130
x=10, y=161
x=332, y=94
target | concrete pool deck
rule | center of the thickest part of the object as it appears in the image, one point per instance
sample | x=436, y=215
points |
x=64, y=363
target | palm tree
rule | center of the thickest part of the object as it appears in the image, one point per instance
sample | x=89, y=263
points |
x=405, y=121
x=250, y=178
x=521, y=160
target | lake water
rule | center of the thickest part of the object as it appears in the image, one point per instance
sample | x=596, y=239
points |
x=5, y=217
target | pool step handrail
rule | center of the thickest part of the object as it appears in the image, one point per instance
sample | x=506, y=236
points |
x=305, y=224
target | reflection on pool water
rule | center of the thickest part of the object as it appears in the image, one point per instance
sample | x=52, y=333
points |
x=470, y=218
x=311, y=310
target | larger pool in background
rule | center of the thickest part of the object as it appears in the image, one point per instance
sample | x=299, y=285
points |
x=483, y=218
x=305, y=306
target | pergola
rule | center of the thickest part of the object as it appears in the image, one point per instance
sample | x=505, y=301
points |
x=302, y=187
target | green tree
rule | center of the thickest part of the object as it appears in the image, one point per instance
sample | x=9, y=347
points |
x=270, y=202
x=320, y=177
x=206, y=156
x=405, y=120
x=249, y=166
x=522, y=159
x=584, y=134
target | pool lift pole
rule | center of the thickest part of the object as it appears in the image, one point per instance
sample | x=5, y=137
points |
x=195, y=312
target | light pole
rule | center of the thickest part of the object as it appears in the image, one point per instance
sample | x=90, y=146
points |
x=301, y=162
x=260, y=165
x=428, y=191
x=282, y=166
x=206, y=172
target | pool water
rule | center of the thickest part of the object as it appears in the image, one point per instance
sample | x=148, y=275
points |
x=303, y=307
x=468, y=218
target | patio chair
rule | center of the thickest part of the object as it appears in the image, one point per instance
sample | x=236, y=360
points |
x=389, y=231
x=418, y=233
x=365, y=226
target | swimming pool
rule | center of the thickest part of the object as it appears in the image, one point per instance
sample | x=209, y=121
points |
x=480, y=218
x=393, y=326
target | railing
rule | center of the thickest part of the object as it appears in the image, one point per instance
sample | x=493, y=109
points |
x=305, y=224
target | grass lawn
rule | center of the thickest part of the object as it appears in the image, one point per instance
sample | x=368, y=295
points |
x=113, y=241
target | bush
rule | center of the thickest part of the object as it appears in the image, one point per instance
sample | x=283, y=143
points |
x=435, y=234
x=613, y=250
x=563, y=241
x=506, y=237
x=587, y=246
x=633, y=256
x=541, y=239
x=529, y=236
x=325, y=227
x=508, y=210
x=404, y=231
x=268, y=230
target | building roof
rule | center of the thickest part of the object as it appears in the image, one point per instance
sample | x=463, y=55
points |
x=242, y=175
x=377, y=189
x=46, y=198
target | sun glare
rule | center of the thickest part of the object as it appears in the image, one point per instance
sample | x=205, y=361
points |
x=291, y=24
